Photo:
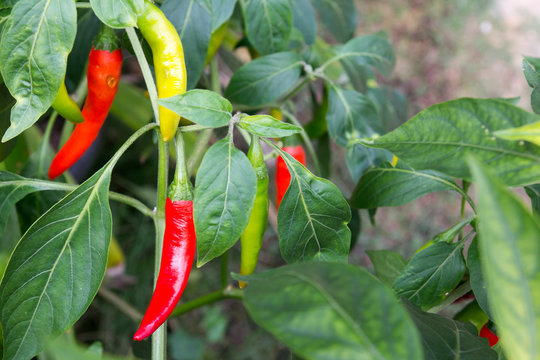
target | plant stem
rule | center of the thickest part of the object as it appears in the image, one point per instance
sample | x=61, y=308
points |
x=224, y=274
x=192, y=128
x=306, y=139
x=159, y=338
x=147, y=74
x=227, y=293
x=199, y=148
x=120, y=304
x=454, y=295
x=83, y=5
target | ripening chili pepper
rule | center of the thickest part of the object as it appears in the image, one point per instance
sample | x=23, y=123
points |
x=488, y=334
x=252, y=237
x=66, y=107
x=283, y=176
x=179, y=243
x=169, y=65
x=104, y=69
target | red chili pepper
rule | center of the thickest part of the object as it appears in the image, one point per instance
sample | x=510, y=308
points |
x=488, y=334
x=283, y=176
x=104, y=69
x=179, y=243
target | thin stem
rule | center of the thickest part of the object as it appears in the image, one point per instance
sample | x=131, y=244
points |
x=224, y=273
x=228, y=293
x=192, y=128
x=298, y=87
x=453, y=296
x=199, y=148
x=45, y=144
x=121, y=304
x=147, y=74
x=159, y=338
x=306, y=139
x=134, y=203
x=214, y=76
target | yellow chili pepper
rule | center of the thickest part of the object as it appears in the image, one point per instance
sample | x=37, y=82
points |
x=169, y=64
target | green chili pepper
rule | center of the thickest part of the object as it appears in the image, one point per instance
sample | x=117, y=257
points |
x=252, y=237
x=66, y=107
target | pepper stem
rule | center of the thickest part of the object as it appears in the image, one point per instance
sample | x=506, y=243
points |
x=106, y=39
x=180, y=188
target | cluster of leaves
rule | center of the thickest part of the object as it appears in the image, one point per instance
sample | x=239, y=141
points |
x=318, y=305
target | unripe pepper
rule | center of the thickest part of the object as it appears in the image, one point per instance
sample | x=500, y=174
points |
x=252, y=237
x=104, y=69
x=169, y=62
x=283, y=176
x=65, y=106
x=179, y=244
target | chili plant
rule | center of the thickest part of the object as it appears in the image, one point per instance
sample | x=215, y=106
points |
x=227, y=90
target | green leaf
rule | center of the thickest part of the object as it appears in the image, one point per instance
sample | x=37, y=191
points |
x=265, y=79
x=533, y=191
x=225, y=190
x=393, y=186
x=312, y=218
x=222, y=10
x=442, y=136
x=56, y=269
x=118, y=13
x=203, y=107
x=193, y=21
x=445, y=338
x=13, y=188
x=388, y=264
x=268, y=24
x=510, y=258
x=530, y=66
x=370, y=50
x=304, y=19
x=360, y=158
x=6, y=102
x=34, y=47
x=314, y=309
x=450, y=234
x=477, y=281
x=431, y=274
x=267, y=126
x=351, y=115
x=339, y=17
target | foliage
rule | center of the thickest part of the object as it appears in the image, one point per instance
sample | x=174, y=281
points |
x=296, y=87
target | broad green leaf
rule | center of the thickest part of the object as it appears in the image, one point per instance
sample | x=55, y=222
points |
x=331, y=311
x=64, y=348
x=56, y=269
x=388, y=264
x=442, y=136
x=391, y=104
x=312, y=218
x=370, y=50
x=431, y=274
x=393, y=186
x=267, y=126
x=35, y=43
x=339, y=17
x=118, y=13
x=13, y=188
x=304, y=19
x=477, y=280
x=359, y=158
x=268, y=24
x=265, y=79
x=351, y=115
x=530, y=66
x=510, y=258
x=203, y=107
x=222, y=10
x=225, y=189
x=529, y=132
x=444, y=338
x=193, y=21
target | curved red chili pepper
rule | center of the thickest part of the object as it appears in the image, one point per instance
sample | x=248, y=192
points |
x=104, y=69
x=488, y=334
x=178, y=253
x=283, y=176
